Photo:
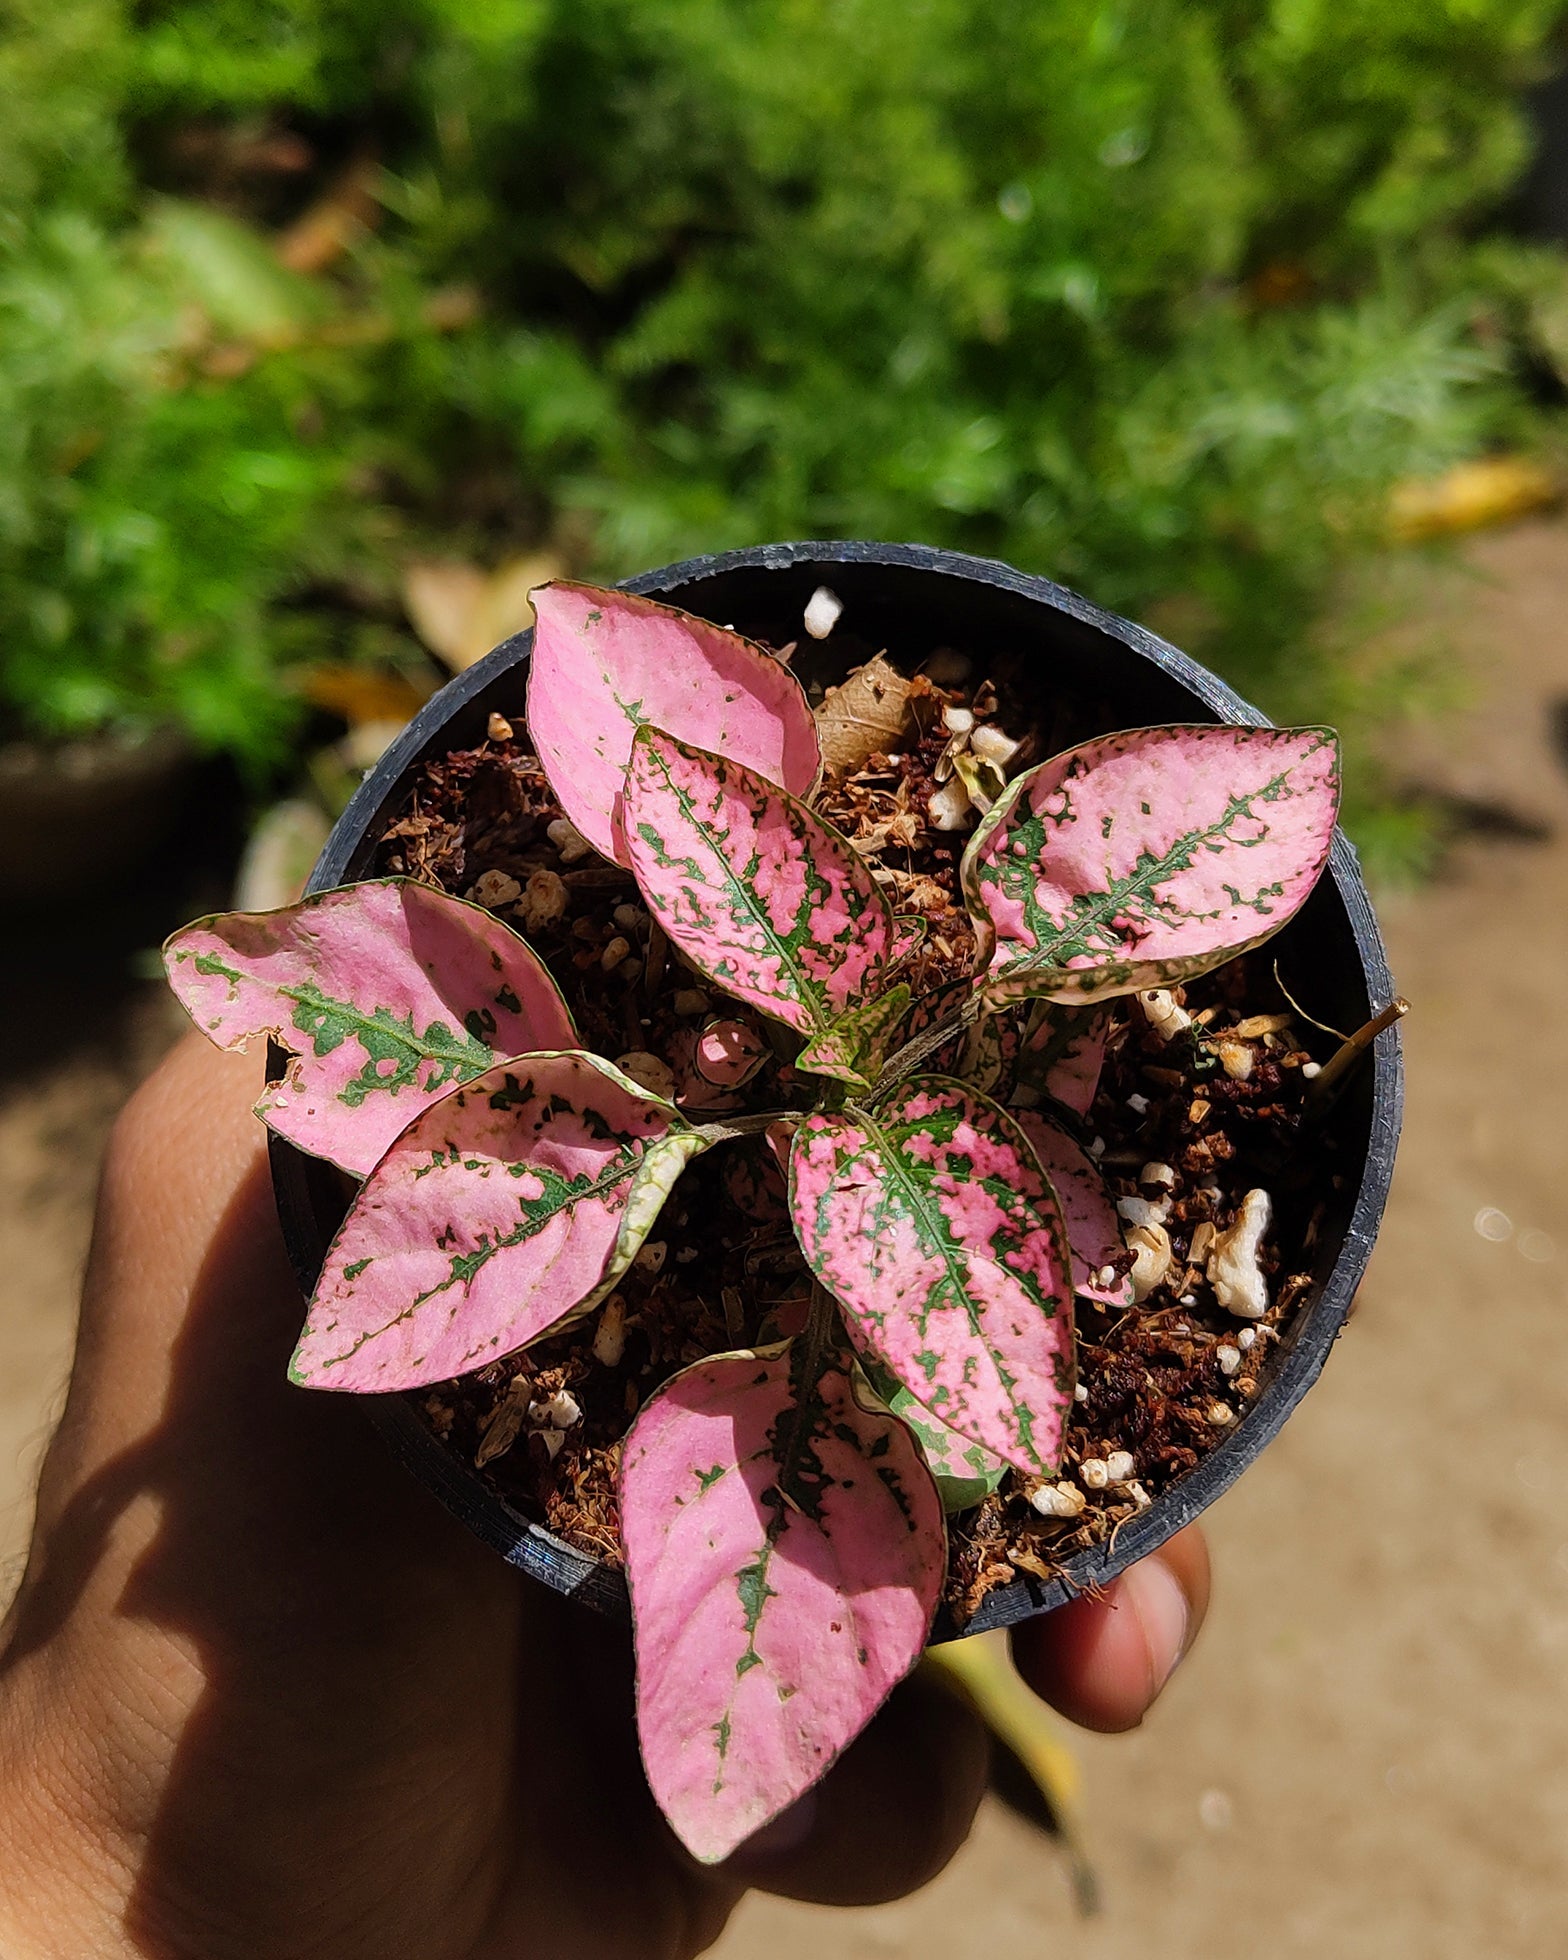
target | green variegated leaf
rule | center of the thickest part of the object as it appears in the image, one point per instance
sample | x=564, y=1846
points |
x=1146, y=858
x=756, y=891
x=854, y=1047
x=965, y=1473
x=931, y=1222
x=507, y=1209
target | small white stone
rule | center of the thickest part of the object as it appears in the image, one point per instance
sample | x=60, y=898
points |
x=650, y=1257
x=1119, y=1466
x=568, y=840
x=1144, y=1211
x=561, y=1411
x=1220, y=1414
x=1159, y=1175
x=630, y=918
x=1057, y=1501
x=1094, y=1473
x=1097, y=1147
x=1236, y=1058
x=991, y=745
x=1246, y=1338
x=949, y=806
x=822, y=612
x=543, y=901
x=1228, y=1357
x=616, y=951
x=609, y=1340
x=958, y=721
x=1233, y=1269
x=1139, y=1495
x=1153, y=1257
x=1187, y=1300
x=1310, y=1069
x=493, y=888
x=1139, y=1105
x=1162, y=1013
x=1080, y=1394
x=1105, y=1277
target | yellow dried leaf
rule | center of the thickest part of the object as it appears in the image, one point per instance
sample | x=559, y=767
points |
x=461, y=612
x=1490, y=490
x=867, y=716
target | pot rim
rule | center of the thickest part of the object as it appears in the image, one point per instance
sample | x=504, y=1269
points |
x=538, y=1551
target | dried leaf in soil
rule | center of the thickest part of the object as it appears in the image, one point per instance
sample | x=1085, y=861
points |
x=866, y=716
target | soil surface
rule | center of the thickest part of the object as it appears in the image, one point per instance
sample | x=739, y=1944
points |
x=1367, y=1755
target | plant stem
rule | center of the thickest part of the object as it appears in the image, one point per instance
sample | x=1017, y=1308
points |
x=745, y=1126
x=913, y=1053
x=1330, y=1078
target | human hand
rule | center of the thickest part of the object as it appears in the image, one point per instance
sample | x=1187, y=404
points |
x=262, y=1699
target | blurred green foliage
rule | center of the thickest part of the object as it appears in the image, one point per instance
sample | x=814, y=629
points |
x=1157, y=298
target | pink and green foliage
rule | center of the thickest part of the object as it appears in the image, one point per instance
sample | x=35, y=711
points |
x=1147, y=858
x=965, y=1473
x=605, y=663
x=388, y=994
x=1094, y=1231
x=782, y=1507
x=1063, y=1052
x=508, y=1208
x=853, y=1048
x=785, y=1551
x=759, y=894
x=930, y=1222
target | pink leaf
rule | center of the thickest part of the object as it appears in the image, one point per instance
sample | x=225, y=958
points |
x=757, y=892
x=1088, y=1210
x=785, y=1551
x=606, y=662
x=512, y=1205
x=933, y=1225
x=1146, y=858
x=964, y=1472
x=388, y=992
x=1064, y=1052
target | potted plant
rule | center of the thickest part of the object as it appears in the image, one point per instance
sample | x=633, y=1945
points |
x=879, y=1186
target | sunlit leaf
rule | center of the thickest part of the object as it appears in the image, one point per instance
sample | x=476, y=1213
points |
x=758, y=893
x=389, y=994
x=785, y=1551
x=932, y=1224
x=604, y=663
x=509, y=1207
x=1143, y=859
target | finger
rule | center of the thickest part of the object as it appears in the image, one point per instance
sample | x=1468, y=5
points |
x=1103, y=1659
x=888, y=1816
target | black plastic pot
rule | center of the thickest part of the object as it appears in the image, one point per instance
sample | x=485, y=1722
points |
x=912, y=598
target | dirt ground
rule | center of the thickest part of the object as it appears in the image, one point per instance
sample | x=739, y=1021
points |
x=1366, y=1758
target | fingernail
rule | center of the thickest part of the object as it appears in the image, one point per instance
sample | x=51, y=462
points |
x=1160, y=1607
x=787, y=1833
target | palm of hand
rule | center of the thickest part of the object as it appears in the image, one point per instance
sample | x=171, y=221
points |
x=261, y=1699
